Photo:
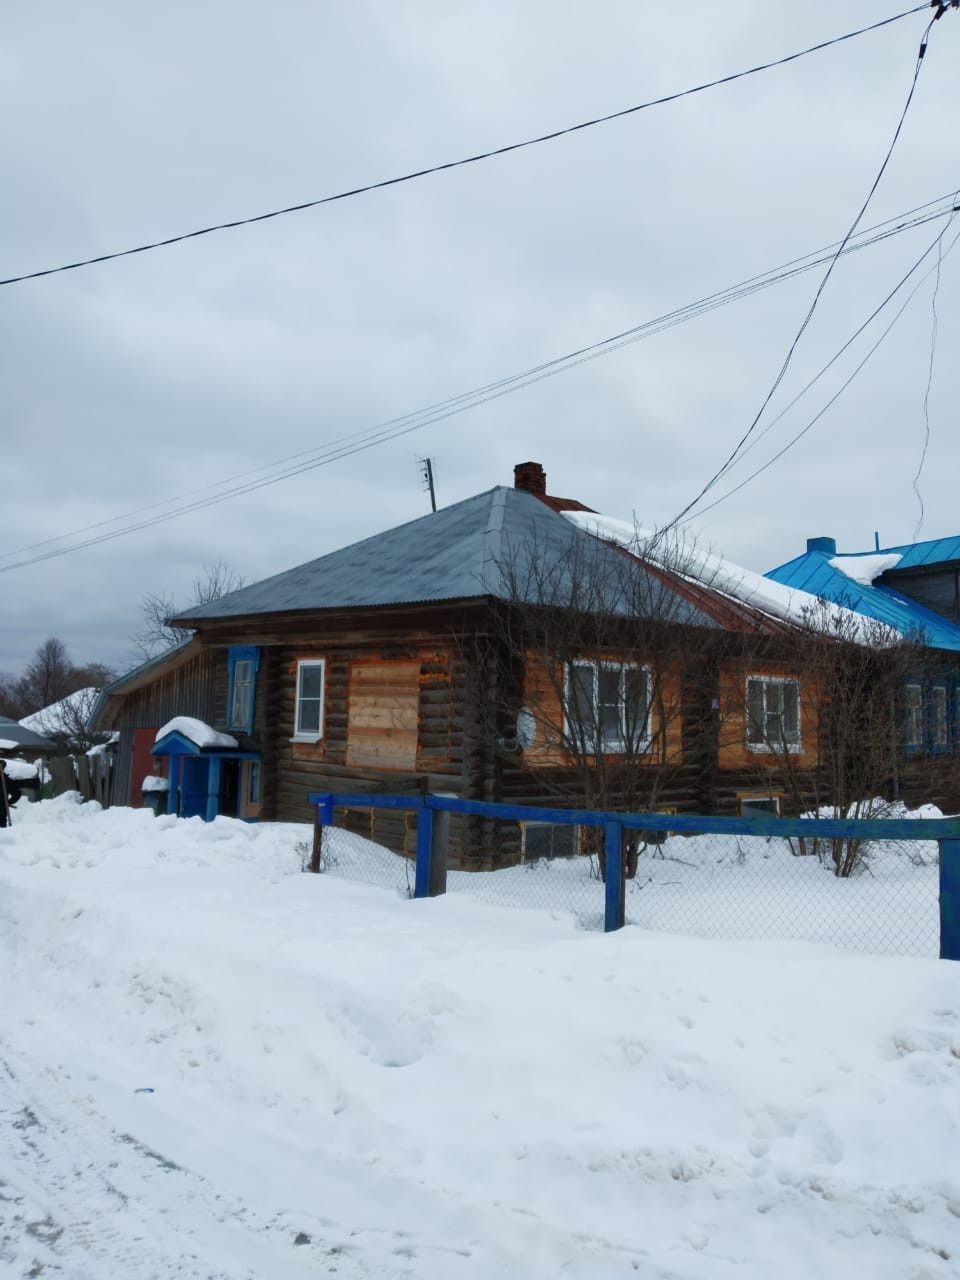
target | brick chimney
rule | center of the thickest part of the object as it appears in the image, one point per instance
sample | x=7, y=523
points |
x=531, y=478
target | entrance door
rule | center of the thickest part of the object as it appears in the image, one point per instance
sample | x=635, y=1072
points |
x=194, y=785
x=229, y=798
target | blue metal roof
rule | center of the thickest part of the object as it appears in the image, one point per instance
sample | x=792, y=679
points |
x=936, y=551
x=499, y=543
x=813, y=572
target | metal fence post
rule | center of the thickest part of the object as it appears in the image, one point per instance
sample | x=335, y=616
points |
x=615, y=887
x=439, y=848
x=421, y=887
x=950, y=899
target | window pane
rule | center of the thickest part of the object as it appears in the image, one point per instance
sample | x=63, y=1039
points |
x=308, y=716
x=253, y=788
x=939, y=716
x=581, y=697
x=240, y=716
x=755, y=716
x=914, y=717
x=791, y=712
x=311, y=681
x=635, y=705
x=309, y=698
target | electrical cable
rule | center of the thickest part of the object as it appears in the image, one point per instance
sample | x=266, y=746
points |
x=926, y=394
x=346, y=445
x=467, y=160
x=800, y=434
x=732, y=456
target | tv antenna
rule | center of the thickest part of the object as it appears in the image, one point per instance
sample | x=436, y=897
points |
x=426, y=478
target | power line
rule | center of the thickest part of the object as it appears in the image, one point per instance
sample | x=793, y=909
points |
x=472, y=159
x=795, y=439
x=941, y=7
x=439, y=411
x=926, y=395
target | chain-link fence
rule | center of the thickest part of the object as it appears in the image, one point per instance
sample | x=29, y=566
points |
x=757, y=887
x=350, y=856
x=559, y=883
x=713, y=884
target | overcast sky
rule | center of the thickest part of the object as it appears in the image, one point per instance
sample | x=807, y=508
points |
x=136, y=381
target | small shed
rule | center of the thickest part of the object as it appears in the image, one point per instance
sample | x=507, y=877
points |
x=17, y=740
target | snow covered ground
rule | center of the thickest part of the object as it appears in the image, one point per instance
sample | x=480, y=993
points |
x=212, y=1065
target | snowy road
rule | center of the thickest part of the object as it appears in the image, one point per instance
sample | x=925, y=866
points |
x=80, y=1198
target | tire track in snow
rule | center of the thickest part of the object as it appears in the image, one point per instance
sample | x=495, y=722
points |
x=81, y=1201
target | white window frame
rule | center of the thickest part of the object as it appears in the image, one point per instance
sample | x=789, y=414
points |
x=573, y=732
x=793, y=748
x=749, y=804
x=309, y=735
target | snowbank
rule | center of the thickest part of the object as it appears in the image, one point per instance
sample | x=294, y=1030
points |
x=214, y=1065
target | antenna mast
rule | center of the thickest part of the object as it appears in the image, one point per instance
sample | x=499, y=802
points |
x=426, y=475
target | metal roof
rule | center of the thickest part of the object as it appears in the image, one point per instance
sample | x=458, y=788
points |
x=935, y=551
x=814, y=573
x=26, y=739
x=461, y=552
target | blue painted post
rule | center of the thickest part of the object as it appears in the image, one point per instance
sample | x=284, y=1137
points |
x=421, y=886
x=213, y=789
x=614, y=909
x=173, y=777
x=322, y=817
x=950, y=899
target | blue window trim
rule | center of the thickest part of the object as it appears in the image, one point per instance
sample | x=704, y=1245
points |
x=927, y=681
x=241, y=653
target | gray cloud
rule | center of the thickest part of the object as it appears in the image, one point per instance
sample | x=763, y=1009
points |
x=126, y=384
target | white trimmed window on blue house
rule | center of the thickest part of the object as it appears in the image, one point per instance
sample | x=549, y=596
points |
x=607, y=707
x=311, y=682
x=243, y=661
x=773, y=713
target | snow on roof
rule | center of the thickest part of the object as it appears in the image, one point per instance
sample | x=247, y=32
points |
x=200, y=734
x=8, y=744
x=683, y=557
x=62, y=716
x=866, y=569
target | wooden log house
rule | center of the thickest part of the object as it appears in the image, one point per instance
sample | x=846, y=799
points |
x=415, y=660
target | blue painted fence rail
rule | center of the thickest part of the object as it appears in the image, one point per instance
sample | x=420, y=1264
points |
x=945, y=831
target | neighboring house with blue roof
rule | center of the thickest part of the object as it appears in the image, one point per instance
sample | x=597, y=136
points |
x=384, y=666
x=915, y=589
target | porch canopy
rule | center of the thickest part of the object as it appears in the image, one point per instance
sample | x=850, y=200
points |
x=195, y=753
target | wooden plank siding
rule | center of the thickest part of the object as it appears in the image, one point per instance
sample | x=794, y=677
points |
x=428, y=698
x=196, y=687
x=733, y=750
x=390, y=719
x=383, y=714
